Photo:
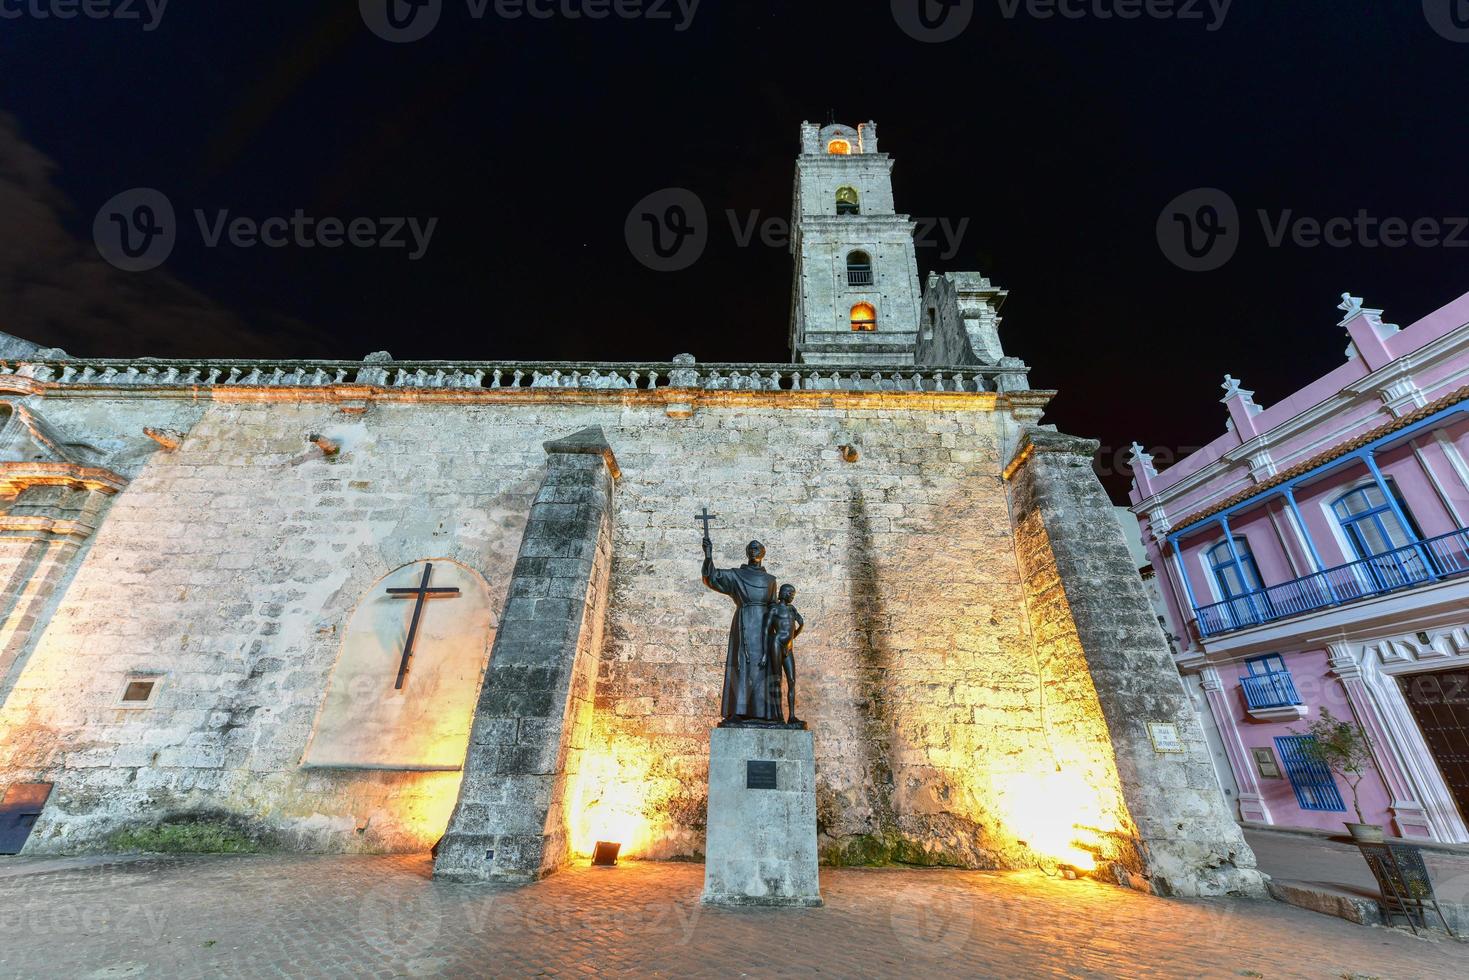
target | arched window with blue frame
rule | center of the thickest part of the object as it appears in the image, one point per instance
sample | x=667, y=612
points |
x=1378, y=536
x=1238, y=582
x=1234, y=580
x=1370, y=523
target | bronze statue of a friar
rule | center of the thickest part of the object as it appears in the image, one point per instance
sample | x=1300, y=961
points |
x=759, y=641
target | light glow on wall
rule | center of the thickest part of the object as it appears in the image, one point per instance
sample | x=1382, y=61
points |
x=1057, y=815
x=423, y=813
x=612, y=795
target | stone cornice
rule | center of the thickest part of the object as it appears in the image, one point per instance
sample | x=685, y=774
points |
x=496, y=375
x=359, y=383
x=19, y=385
x=848, y=160
x=15, y=477
x=32, y=526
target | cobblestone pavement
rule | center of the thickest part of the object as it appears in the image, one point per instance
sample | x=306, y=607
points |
x=273, y=916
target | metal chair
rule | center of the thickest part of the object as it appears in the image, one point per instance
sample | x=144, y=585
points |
x=1402, y=880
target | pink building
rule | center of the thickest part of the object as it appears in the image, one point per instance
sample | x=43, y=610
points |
x=1316, y=554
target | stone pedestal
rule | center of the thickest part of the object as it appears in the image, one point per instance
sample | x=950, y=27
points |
x=761, y=847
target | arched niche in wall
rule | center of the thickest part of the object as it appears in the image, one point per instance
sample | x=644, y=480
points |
x=366, y=720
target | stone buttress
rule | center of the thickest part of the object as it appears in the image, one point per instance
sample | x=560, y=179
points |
x=1095, y=630
x=535, y=702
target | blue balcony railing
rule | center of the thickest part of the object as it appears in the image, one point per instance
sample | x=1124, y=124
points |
x=1271, y=690
x=1437, y=558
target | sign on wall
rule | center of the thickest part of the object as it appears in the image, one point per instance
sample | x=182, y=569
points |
x=1165, y=737
x=403, y=691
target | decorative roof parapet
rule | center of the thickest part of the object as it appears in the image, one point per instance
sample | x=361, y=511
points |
x=1141, y=460
x=1242, y=408
x=1367, y=332
x=491, y=375
x=1351, y=445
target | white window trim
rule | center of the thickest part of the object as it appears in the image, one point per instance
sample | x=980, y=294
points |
x=1208, y=575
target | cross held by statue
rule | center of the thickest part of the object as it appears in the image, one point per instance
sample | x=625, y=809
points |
x=420, y=594
x=706, y=517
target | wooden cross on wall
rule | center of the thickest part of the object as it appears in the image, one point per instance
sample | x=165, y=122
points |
x=421, y=593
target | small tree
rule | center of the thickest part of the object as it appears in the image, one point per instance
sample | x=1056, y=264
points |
x=1342, y=747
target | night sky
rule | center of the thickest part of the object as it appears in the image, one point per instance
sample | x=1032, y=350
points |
x=1061, y=141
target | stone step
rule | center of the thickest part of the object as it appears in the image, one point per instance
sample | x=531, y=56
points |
x=1360, y=905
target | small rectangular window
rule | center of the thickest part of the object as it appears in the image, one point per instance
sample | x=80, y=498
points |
x=1268, y=684
x=140, y=691
x=1271, y=663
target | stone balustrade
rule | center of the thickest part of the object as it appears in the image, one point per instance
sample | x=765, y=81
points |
x=683, y=372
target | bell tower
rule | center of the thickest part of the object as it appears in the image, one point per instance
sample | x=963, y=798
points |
x=855, y=298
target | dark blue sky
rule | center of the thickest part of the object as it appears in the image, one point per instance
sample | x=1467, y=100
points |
x=1061, y=141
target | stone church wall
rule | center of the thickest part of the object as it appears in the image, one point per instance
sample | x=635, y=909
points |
x=255, y=521
x=231, y=565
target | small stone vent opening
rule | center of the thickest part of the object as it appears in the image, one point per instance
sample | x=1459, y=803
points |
x=140, y=691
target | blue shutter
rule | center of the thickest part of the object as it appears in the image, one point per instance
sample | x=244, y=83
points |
x=1309, y=777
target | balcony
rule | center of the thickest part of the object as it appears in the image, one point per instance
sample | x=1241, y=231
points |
x=1422, y=562
x=1272, y=696
x=858, y=277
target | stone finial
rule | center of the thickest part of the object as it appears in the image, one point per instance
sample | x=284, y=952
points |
x=1242, y=408
x=1141, y=461
x=1234, y=388
x=1367, y=331
x=378, y=357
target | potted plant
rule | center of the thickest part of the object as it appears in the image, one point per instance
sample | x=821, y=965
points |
x=1343, y=748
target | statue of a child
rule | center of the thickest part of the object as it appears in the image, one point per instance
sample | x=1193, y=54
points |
x=785, y=625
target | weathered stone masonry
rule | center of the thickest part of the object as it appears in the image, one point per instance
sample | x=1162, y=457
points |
x=535, y=705
x=1098, y=640
x=230, y=562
